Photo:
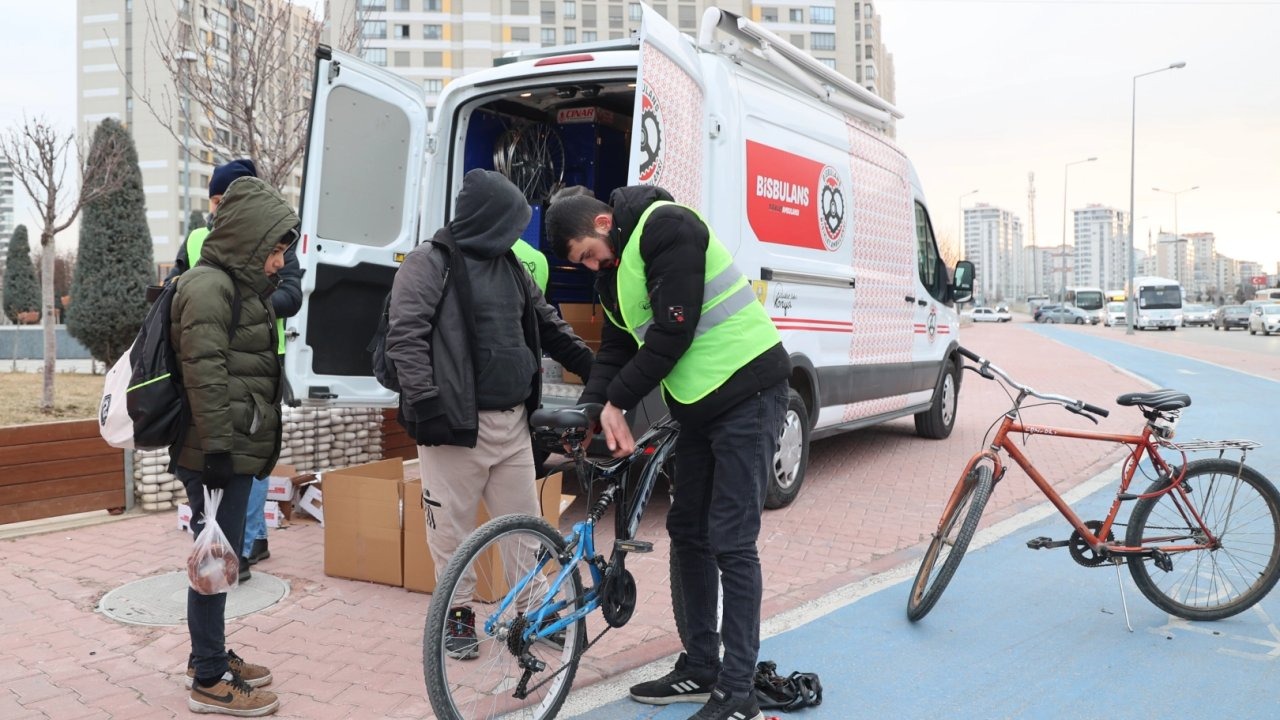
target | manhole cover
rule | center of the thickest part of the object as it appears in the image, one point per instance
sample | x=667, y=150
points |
x=162, y=599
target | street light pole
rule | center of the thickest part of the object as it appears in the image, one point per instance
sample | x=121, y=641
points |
x=1176, y=235
x=1062, y=249
x=1132, y=305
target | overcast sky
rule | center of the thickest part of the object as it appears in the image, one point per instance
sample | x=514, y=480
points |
x=992, y=90
x=995, y=89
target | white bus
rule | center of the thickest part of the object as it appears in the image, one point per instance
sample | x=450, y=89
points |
x=1089, y=299
x=1159, y=303
x=1272, y=294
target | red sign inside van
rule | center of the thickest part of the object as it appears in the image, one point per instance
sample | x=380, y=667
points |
x=792, y=200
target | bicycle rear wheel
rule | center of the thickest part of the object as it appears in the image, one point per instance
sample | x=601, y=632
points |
x=956, y=528
x=1241, y=509
x=476, y=679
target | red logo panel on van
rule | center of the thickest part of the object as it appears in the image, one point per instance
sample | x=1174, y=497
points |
x=792, y=200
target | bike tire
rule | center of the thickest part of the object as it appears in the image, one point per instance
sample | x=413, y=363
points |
x=954, y=532
x=1242, y=509
x=482, y=687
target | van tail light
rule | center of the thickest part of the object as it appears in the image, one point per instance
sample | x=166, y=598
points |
x=564, y=59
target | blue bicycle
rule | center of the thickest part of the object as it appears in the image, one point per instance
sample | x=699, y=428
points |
x=507, y=622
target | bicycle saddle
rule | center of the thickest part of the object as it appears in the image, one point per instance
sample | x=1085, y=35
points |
x=578, y=416
x=1162, y=400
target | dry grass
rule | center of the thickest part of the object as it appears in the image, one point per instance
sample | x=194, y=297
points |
x=75, y=397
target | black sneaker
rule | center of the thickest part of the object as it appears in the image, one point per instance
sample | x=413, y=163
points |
x=245, y=573
x=679, y=685
x=460, y=634
x=260, y=551
x=723, y=706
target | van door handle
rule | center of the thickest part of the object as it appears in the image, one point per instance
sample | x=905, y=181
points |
x=921, y=303
x=911, y=298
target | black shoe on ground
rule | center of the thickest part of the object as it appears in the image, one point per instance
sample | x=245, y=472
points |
x=460, y=634
x=244, y=570
x=679, y=685
x=259, y=551
x=723, y=706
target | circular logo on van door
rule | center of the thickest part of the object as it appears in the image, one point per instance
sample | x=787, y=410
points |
x=831, y=208
x=650, y=136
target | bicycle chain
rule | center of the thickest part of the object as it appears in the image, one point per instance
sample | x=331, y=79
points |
x=564, y=667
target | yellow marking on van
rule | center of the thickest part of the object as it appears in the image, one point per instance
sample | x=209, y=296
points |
x=399, y=257
x=761, y=289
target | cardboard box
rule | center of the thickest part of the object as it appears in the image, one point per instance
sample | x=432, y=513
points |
x=586, y=318
x=312, y=503
x=184, y=517
x=271, y=514
x=362, y=531
x=419, y=569
x=279, y=485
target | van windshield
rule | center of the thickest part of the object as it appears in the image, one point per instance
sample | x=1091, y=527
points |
x=1160, y=298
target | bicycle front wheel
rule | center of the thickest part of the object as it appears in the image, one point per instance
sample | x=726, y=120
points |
x=1240, y=509
x=946, y=550
x=502, y=574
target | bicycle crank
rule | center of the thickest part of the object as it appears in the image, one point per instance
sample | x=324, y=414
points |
x=1080, y=550
x=618, y=596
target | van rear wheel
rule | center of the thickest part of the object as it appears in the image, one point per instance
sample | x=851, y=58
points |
x=792, y=459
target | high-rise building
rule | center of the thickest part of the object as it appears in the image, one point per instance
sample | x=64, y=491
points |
x=1038, y=269
x=118, y=67
x=1173, y=259
x=1204, y=270
x=1226, y=277
x=993, y=243
x=433, y=41
x=7, y=213
x=1101, y=247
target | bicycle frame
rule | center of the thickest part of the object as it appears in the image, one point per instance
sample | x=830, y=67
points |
x=656, y=445
x=1139, y=445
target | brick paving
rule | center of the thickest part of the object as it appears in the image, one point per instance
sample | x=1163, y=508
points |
x=343, y=649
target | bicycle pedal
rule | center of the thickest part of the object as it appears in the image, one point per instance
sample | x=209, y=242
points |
x=633, y=546
x=1162, y=560
x=1044, y=543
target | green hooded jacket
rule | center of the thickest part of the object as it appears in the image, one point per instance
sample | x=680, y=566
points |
x=233, y=384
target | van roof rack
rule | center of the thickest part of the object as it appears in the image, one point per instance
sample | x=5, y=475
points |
x=629, y=43
x=753, y=43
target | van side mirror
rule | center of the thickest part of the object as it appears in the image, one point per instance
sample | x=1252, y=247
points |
x=962, y=285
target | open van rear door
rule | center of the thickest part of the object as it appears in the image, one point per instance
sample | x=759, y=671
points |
x=668, y=138
x=361, y=194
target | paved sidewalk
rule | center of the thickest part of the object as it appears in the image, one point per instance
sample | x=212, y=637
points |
x=343, y=649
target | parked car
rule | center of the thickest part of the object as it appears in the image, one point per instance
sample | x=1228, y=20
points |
x=1197, y=315
x=986, y=314
x=1068, y=314
x=1265, y=319
x=1231, y=316
x=1041, y=310
x=1115, y=314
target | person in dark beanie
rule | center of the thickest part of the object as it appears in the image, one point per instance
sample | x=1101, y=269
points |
x=286, y=301
x=223, y=334
x=682, y=316
x=467, y=327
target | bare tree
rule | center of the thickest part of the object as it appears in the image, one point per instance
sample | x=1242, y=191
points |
x=39, y=154
x=241, y=79
x=949, y=249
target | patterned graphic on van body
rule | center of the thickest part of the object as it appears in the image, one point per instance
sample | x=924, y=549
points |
x=883, y=240
x=672, y=129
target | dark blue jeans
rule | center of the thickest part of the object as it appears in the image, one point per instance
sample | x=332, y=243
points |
x=206, y=614
x=722, y=471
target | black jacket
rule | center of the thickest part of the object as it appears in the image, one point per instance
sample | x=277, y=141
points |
x=674, y=248
x=431, y=338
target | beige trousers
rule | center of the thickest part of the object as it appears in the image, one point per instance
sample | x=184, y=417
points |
x=499, y=470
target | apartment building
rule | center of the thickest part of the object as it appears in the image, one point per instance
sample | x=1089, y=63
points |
x=433, y=41
x=993, y=243
x=1173, y=258
x=1226, y=277
x=119, y=66
x=1101, y=257
x=1038, y=263
x=1204, y=275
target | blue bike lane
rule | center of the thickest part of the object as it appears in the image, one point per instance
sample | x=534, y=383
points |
x=1031, y=634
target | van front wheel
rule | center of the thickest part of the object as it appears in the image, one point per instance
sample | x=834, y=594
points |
x=792, y=459
x=936, y=422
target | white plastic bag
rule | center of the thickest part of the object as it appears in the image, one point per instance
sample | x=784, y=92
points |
x=114, y=423
x=213, y=566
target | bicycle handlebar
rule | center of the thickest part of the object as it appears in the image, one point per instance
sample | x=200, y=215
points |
x=987, y=370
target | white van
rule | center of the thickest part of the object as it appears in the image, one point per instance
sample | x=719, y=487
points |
x=785, y=158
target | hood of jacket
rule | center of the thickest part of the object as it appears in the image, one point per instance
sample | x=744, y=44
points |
x=252, y=218
x=629, y=203
x=490, y=214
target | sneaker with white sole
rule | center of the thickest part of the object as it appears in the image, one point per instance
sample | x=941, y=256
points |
x=232, y=696
x=252, y=675
x=679, y=685
x=723, y=706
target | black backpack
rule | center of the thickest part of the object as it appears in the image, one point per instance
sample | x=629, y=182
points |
x=797, y=690
x=156, y=399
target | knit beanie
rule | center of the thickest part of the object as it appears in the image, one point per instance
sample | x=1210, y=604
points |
x=223, y=175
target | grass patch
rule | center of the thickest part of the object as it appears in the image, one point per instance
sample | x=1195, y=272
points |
x=75, y=397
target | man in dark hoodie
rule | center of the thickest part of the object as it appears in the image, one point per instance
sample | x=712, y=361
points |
x=224, y=337
x=467, y=325
x=681, y=315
